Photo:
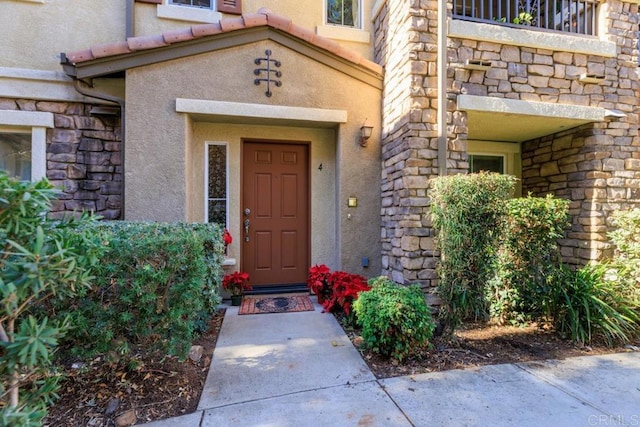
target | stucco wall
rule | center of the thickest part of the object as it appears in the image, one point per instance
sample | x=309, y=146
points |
x=159, y=142
x=307, y=13
x=34, y=33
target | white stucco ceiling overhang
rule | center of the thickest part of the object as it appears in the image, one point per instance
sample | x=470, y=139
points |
x=500, y=119
x=239, y=112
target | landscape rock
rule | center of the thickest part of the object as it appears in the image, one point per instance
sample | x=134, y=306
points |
x=112, y=407
x=126, y=418
x=196, y=353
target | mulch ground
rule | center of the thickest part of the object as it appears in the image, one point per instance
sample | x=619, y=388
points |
x=108, y=394
x=480, y=344
x=163, y=387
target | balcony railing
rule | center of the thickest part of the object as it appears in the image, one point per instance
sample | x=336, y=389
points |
x=569, y=16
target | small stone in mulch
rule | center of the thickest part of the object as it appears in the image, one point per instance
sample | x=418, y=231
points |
x=195, y=353
x=112, y=407
x=126, y=418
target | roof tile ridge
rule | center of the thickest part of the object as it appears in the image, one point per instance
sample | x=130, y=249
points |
x=276, y=21
x=180, y=35
x=232, y=24
x=146, y=42
x=203, y=30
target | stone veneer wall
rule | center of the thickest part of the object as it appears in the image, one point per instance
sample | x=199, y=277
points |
x=605, y=151
x=598, y=172
x=405, y=45
x=84, y=157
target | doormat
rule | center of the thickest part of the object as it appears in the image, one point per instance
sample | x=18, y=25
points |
x=289, y=304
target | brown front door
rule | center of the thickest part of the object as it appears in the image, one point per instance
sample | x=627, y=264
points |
x=275, y=213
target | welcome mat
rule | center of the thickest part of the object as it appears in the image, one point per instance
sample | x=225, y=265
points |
x=258, y=305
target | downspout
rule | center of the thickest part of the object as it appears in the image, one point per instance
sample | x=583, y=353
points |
x=441, y=117
x=86, y=91
x=130, y=18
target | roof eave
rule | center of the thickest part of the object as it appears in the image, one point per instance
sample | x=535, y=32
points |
x=113, y=64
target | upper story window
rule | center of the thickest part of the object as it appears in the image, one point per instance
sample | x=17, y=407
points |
x=206, y=4
x=344, y=13
x=570, y=16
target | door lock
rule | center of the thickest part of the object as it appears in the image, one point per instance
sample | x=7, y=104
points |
x=247, y=223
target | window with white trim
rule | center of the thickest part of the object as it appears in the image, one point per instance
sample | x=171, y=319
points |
x=205, y=4
x=189, y=10
x=344, y=13
x=486, y=163
x=23, y=143
x=15, y=154
x=217, y=183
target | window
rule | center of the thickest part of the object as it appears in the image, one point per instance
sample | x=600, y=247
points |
x=189, y=11
x=344, y=13
x=23, y=143
x=487, y=163
x=15, y=154
x=216, y=204
x=206, y=4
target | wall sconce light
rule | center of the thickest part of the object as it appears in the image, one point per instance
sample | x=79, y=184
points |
x=365, y=134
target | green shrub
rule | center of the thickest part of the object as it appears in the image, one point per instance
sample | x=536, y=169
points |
x=467, y=212
x=626, y=260
x=155, y=284
x=395, y=319
x=40, y=260
x=588, y=305
x=528, y=258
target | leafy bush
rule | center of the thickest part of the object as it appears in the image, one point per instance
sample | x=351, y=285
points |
x=40, y=259
x=626, y=260
x=528, y=258
x=588, y=305
x=155, y=283
x=467, y=212
x=395, y=319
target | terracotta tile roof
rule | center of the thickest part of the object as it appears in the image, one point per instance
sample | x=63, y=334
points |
x=264, y=17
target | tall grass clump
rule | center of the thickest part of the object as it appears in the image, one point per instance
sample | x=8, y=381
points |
x=467, y=213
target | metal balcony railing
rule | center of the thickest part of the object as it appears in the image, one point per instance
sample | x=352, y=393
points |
x=569, y=16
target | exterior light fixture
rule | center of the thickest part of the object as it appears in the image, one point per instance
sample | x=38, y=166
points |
x=365, y=134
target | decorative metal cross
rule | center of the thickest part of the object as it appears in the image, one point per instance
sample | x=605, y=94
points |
x=270, y=72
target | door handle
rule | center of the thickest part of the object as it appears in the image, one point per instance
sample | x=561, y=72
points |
x=247, y=223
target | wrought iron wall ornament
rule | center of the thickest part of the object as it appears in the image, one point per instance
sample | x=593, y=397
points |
x=268, y=62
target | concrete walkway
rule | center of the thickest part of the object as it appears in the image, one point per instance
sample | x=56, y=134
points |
x=300, y=369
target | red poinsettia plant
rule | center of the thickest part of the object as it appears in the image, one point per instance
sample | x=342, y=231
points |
x=318, y=282
x=346, y=287
x=336, y=291
x=236, y=282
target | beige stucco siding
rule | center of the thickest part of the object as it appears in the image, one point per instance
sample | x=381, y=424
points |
x=165, y=149
x=34, y=33
x=305, y=13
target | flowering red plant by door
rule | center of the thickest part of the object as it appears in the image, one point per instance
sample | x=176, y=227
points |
x=336, y=291
x=236, y=282
x=318, y=282
x=227, y=239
